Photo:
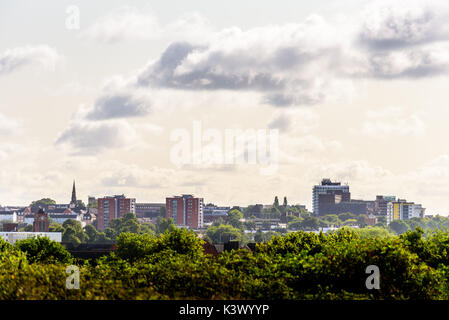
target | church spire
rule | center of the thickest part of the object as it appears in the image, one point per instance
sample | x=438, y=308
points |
x=73, y=194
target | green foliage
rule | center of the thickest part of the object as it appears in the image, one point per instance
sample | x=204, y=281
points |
x=260, y=236
x=331, y=220
x=299, y=265
x=56, y=227
x=295, y=223
x=93, y=205
x=347, y=215
x=5, y=246
x=165, y=225
x=373, y=232
x=250, y=225
x=73, y=232
x=223, y=233
x=43, y=250
x=309, y=223
x=350, y=222
x=128, y=223
x=234, y=217
x=399, y=226
x=41, y=202
x=181, y=241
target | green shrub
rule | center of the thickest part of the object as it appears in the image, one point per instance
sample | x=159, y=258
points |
x=137, y=246
x=44, y=250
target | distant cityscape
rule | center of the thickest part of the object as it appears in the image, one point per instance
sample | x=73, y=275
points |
x=189, y=211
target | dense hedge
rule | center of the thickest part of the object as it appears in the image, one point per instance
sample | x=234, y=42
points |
x=173, y=265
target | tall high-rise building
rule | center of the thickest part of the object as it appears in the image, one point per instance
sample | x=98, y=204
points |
x=113, y=207
x=329, y=192
x=381, y=203
x=186, y=210
x=403, y=210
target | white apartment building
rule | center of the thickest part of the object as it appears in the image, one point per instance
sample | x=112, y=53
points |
x=12, y=237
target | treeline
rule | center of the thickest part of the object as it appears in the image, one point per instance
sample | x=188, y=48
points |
x=173, y=265
x=73, y=231
x=299, y=219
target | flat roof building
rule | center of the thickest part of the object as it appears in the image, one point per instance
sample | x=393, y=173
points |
x=113, y=207
x=329, y=192
x=12, y=237
x=186, y=211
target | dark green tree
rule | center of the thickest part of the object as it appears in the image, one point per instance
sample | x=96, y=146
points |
x=43, y=250
x=258, y=236
x=34, y=206
x=224, y=233
x=91, y=232
x=164, y=225
x=276, y=202
x=234, y=217
x=310, y=223
x=398, y=226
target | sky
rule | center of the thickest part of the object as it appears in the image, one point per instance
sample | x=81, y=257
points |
x=109, y=93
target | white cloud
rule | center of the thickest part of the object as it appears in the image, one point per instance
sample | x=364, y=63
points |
x=9, y=126
x=15, y=58
x=293, y=121
x=11, y=149
x=305, y=63
x=355, y=171
x=133, y=176
x=392, y=121
x=121, y=24
x=393, y=26
x=130, y=23
x=287, y=65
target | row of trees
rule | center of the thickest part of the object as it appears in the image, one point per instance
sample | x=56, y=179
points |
x=234, y=229
x=73, y=232
x=173, y=265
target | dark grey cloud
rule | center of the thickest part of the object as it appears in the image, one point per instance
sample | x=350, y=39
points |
x=93, y=137
x=112, y=106
x=211, y=76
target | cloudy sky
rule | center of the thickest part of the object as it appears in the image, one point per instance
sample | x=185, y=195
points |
x=358, y=91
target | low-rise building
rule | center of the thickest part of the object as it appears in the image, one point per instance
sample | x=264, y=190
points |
x=371, y=220
x=213, y=212
x=10, y=216
x=12, y=237
x=149, y=210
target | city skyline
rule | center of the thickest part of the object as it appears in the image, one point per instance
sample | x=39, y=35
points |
x=360, y=206
x=95, y=91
